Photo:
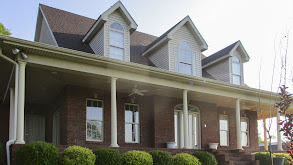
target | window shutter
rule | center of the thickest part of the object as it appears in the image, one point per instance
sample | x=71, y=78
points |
x=194, y=64
x=176, y=60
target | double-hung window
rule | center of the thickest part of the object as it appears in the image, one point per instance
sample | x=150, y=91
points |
x=116, y=41
x=244, y=131
x=131, y=123
x=236, y=71
x=185, y=59
x=94, y=120
x=224, y=130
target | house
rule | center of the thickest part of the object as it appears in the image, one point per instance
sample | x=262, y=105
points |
x=102, y=83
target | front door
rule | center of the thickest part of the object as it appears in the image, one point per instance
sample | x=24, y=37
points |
x=34, y=128
x=193, y=130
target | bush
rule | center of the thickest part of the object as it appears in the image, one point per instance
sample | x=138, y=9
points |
x=137, y=158
x=108, y=156
x=185, y=159
x=286, y=161
x=161, y=157
x=37, y=153
x=205, y=158
x=76, y=155
x=263, y=157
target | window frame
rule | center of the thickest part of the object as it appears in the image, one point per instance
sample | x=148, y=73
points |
x=247, y=132
x=233, y=74
x=102, y=131
x=116, y=46
x=177, y=60
x=138, y=140
x=228, y=130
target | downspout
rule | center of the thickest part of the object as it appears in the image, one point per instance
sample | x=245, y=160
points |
x=15, y=105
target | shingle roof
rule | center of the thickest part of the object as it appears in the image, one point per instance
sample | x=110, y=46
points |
x=218, y=54
x=69, y=30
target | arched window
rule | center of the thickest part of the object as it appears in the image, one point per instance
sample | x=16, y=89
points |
x=236, y=71
x=185, y=59
x=116, y=41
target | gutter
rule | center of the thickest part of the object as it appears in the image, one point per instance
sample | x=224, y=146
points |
x=11, y=141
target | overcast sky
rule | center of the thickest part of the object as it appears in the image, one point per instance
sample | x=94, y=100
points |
x=261, y=25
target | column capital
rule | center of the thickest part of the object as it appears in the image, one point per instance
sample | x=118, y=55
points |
x=114, y=78
x=185, y=90
x=22, y=63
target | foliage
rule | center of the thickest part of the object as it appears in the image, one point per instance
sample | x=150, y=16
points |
x=260, y=141
x=37, y=153
x=263, y=157
x=205, y=158
x=137, y=158
x=161, y=157
x=185, y=159
x=286, y=161
x=77, y=155
x=108, y=156
x=3, y=30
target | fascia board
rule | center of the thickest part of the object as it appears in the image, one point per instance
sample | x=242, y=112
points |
x=244, y=53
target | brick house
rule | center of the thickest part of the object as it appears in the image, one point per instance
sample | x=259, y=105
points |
x=101, y=83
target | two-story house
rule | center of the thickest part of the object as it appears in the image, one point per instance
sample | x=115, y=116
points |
x=101, y=83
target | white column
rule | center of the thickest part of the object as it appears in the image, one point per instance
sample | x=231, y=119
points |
x=113, y=114
x=21, y=99
x=279, y=146
x=11, y=114
x=185, y=119
x=238, y=124
x=181, y=131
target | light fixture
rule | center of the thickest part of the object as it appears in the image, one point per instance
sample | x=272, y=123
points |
x=15, y=51
x=24, y=56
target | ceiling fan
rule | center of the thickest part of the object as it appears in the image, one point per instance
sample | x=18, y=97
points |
x=137, y=91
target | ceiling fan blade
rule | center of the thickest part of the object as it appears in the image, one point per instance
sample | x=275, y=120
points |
x=141, y=94
x=130, y=94
x=143, y=91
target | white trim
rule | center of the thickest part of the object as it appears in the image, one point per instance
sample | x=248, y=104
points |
x=162, y=41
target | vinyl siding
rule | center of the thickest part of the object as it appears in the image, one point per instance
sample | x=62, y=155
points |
x=237, y=54
x=221, y=70
x=116, y=17
x=184, y=34
x=97, y=43
x=160, y=57
x=46, y=35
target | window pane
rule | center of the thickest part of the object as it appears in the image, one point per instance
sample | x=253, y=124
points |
x=116, y=38
x=185, y=56
x=236, y=68
x=128, y=132
x=116, y=26
x=94, y=130
x=136, y=132
x=223, y=138
x=136, y=116
x=185, y=45
x=185, y=68
x=235, y=59
x=244, y=139
x=244, y=125
x=224, y=125
x=116, y=53
x=128, y=116
x=194, y=64
x=236, y=80
x=176, y=60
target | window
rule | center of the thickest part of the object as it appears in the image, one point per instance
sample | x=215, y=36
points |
x=116, y=41
x=244, y=131
x=224, y=130
x=185, y=59
x=131, y=123
x=94, y=120
x=236, y=71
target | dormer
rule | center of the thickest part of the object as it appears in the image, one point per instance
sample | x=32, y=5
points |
x=227, y=64
x=110, y=34
x=179, y=49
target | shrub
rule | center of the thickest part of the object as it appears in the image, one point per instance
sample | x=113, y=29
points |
x=137, y=158
x=37, y=153
x=263, y=157
x=76, y=155
x=286, y=161
x=161, y=157
x=108, y=156
x=205, y=158
x=185, y=159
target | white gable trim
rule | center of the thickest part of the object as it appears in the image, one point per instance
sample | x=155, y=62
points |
x=104, y=17
x=243, y=52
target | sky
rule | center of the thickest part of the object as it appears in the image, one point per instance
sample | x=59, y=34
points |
x=263, y=27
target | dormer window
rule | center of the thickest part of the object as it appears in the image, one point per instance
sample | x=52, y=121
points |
x=236, y=73
x=185, y=59
x=116, y=41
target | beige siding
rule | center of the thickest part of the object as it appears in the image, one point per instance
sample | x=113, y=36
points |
x=46, y=35
x=220, y=70
x=97, y=43
x=237, y=54
x=184, y=34
x=116, y=17
x=160, y=57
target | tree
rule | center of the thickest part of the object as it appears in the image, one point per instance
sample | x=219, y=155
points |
x=3, y=30
x=260, y=141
